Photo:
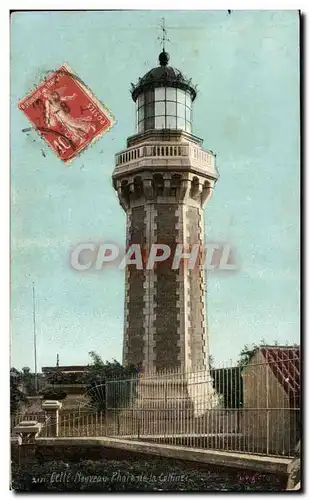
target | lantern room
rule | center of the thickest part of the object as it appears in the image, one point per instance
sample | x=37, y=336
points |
x=163, y=98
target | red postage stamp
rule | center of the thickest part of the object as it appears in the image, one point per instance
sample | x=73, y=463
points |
x=66, y=113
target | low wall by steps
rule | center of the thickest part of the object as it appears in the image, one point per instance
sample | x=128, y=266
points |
x=75, y=449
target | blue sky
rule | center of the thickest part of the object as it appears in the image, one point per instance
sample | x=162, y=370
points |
x=247, y=111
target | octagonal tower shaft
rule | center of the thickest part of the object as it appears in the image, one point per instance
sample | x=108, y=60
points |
x=163, y=182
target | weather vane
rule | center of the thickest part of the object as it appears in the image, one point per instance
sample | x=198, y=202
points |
x=163, y=38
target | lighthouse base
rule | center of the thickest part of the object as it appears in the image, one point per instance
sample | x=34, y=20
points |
x=166, y=405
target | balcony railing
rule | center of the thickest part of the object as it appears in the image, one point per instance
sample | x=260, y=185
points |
x=203, y=159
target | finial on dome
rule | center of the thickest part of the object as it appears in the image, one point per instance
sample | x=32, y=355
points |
x=163, y=58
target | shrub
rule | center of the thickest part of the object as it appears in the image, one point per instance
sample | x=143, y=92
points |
x=53, y=394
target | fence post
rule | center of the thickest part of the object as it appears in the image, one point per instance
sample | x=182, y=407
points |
x=27, y=431
x=166, y=410
x=139, y=421
x=268, y=411
x=52, y=417
x=106, y=416
x=118, y=424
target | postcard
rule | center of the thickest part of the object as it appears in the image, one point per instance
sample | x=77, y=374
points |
x=155, y=199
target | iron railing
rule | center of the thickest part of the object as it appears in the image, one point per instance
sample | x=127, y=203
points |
x=252, y=409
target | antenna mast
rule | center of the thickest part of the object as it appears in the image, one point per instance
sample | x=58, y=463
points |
x=34, y=339
x=163, y=38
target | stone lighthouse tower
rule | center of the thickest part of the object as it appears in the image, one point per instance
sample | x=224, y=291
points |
x=163, y=179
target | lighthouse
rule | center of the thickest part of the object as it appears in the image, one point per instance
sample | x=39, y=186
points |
x=163, y=180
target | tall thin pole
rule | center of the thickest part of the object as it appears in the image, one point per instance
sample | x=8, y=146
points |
x=34, y=338
x=163, y=27
x=163, y=38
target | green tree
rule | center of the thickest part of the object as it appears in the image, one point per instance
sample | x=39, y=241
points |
x=53, y=394
x=248, y=351
x=109, y=384
x=28, y=380
x=17, y=397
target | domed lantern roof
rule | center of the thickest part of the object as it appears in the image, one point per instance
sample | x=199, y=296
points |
x=163, y=76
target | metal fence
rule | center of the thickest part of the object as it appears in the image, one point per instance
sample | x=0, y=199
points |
x=252, y=409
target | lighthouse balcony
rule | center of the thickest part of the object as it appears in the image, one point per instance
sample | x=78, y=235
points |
x=166, y=155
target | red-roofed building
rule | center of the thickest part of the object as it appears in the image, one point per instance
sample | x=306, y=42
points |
x=271, y=399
